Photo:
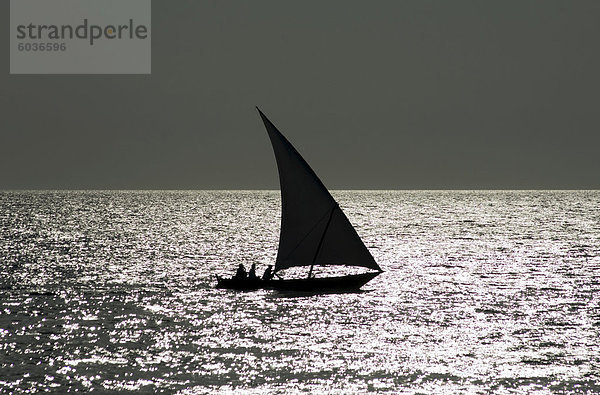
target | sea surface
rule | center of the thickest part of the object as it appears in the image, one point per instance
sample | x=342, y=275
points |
x=483, y=292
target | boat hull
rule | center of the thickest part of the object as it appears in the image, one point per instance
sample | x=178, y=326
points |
x=321, y=284
x=245, y=284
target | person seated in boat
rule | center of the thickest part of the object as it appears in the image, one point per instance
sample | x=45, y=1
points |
x=252, y=272
x=268, y=274
x=241, y=272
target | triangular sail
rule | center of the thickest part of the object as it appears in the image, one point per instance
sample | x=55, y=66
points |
x=314, y=230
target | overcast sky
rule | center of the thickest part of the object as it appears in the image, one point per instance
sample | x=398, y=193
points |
x=374, y=94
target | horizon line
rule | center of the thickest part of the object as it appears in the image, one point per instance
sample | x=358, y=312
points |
x=278, y=190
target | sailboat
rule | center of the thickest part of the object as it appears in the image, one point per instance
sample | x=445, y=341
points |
x=314, y=230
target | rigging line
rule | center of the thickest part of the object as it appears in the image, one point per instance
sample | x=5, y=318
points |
x=321, y=241
x=307, y=234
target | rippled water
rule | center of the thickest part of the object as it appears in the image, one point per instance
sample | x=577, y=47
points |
x=483, y=292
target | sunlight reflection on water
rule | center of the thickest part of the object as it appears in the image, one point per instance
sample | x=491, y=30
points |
x=483, y=291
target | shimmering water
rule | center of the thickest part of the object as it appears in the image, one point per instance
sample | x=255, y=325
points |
x=483, y=292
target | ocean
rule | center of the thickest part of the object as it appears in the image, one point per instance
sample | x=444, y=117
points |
x=483, y=292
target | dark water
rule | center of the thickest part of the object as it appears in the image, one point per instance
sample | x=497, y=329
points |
x=483, y=292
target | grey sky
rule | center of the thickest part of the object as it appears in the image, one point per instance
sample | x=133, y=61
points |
x=374, y=94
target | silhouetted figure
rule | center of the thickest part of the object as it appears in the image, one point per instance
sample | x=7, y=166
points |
x=268, y=274
x=252, y=273
x=241, y=272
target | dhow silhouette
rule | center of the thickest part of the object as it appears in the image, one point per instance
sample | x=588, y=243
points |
x=314, y=231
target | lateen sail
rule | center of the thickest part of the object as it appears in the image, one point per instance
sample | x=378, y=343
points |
x=314, y=230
